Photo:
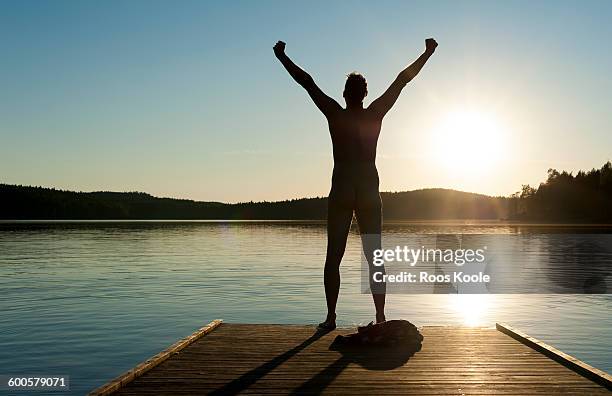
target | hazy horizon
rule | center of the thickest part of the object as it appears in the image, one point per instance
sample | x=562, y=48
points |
x=189, y=102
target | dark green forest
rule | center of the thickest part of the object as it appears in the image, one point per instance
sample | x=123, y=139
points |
x=563, y=197
x=584, y=197
x=20, y=202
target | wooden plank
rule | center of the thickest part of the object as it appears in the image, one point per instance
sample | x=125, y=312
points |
x=577, y=365
x=125, y=378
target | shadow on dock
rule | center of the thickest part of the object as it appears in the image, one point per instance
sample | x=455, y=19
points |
x=247, y=379
x=369, y=357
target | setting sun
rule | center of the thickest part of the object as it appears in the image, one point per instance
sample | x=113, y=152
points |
x=468, y=142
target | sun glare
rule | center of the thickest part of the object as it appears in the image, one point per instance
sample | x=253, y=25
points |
x=472, y=309
x=468, y=142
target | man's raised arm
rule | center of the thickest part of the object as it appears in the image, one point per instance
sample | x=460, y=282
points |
x=326, y=104
x=384, y=103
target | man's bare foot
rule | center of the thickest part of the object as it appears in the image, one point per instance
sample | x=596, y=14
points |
x=329, y=324
x=380, y=318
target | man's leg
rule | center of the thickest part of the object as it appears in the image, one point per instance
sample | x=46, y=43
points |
x=369, y=218
x=339, y=219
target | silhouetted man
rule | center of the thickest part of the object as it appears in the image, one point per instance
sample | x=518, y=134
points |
x=354, y=132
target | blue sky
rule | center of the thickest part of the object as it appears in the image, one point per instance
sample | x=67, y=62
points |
x=185, y=99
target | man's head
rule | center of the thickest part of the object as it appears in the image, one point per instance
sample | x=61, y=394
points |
x=355, y=89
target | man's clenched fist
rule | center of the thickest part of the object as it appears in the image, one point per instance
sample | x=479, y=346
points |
x=279, y=48
x=430, y=45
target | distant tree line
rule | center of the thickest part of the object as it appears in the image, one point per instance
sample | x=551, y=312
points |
x=24, y=202
x=585, y=197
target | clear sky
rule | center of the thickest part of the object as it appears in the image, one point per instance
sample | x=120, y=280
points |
x=185, y=99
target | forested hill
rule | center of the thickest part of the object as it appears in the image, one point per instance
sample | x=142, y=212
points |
x=563, y=197
x=21, y=202
x=583, y=197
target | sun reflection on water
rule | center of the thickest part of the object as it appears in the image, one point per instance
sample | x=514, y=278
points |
x=472, y=309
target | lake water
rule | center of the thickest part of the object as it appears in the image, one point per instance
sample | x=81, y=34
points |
x=93, y=299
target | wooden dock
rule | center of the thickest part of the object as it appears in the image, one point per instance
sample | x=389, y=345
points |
x=223, y=358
